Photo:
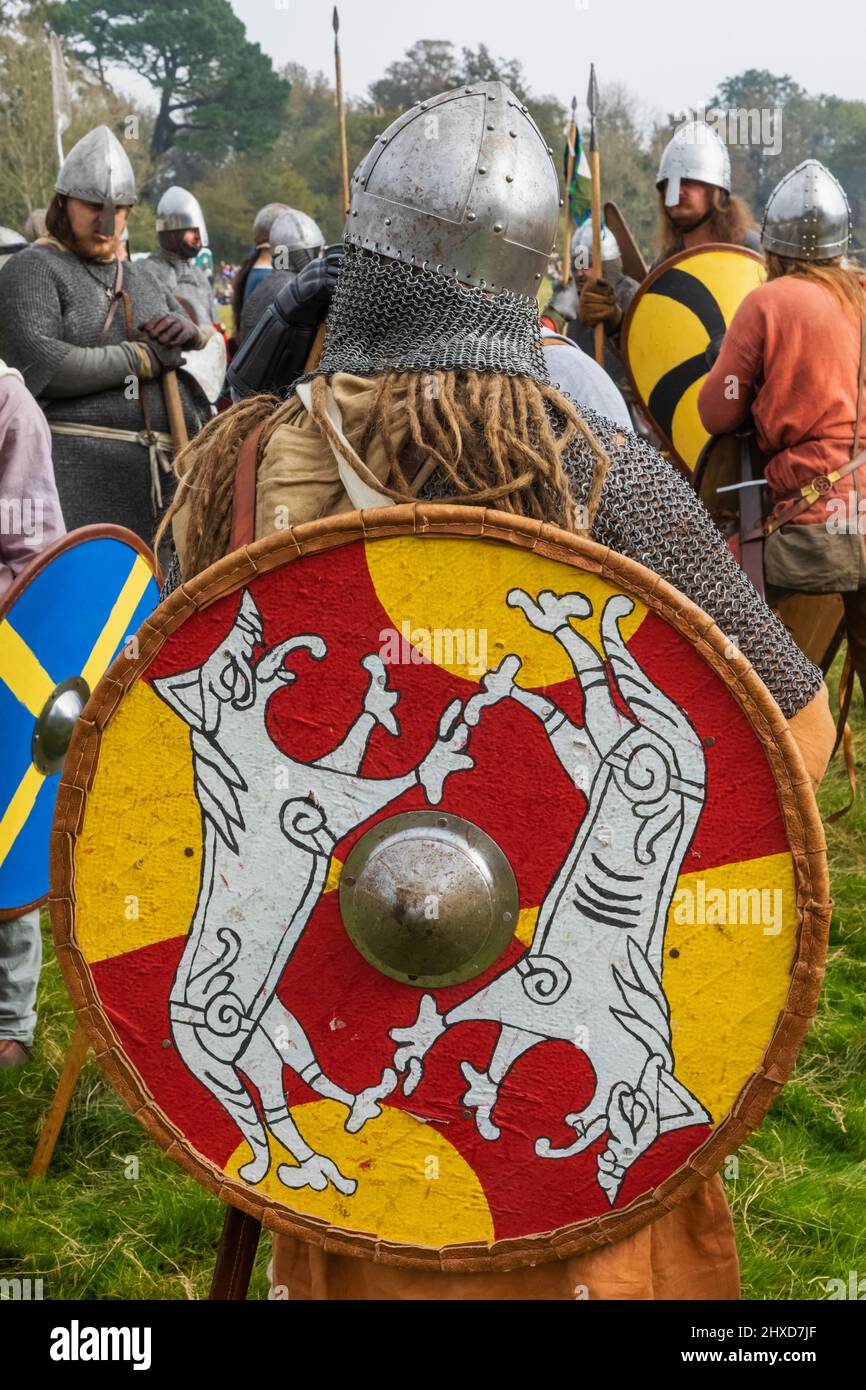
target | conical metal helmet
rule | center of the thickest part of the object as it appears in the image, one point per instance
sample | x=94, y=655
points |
x=581, y=245
x=807, y=216
x=463, y=184
x=178, y=211
x=296, y=231
x=695, y=151
x=97, y=170
x=264, y=220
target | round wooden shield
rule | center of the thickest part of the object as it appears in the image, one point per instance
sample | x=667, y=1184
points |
x=679, y=308
x=529, y=707
x=61, y=625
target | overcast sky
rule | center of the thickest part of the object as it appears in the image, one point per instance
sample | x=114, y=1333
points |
x=671, y=53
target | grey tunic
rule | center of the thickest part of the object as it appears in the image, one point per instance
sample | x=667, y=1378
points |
x=51, y=299
x=261, y=297
x=184, y=280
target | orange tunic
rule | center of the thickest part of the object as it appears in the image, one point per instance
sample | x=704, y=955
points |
x=690, y=1253
x=790, y=359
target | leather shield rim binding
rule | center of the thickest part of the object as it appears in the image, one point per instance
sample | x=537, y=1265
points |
x=797, y=803
x=644, y=288
x=23, y=582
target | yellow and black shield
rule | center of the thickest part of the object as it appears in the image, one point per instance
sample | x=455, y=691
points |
x=683, y=304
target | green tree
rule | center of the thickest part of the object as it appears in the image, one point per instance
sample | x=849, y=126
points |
x=232, y=194
x=628, y=164
x=752, y=105
x=28, y=168
x=428, y=68
x=821, y=127
x=217, y=92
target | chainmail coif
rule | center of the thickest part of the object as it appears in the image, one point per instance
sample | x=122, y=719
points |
x=387, y=316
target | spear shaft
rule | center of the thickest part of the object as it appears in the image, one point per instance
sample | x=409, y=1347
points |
x=595, y=171
x=341, y=112
x=569, y=178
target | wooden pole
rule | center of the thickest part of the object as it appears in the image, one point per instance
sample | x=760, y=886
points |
x=316, y=350
x=569, y=175
x=596, y=245
x=174, y=411
x=595, y=171
x=235, y=1256
x=53, y=1122
x=341, y=113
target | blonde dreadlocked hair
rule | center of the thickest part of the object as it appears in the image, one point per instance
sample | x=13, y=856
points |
x=496, y=439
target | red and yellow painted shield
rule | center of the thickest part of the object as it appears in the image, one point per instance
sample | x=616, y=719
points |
x=452, y=667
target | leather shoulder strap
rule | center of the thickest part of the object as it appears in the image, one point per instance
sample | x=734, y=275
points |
x=244, y=501
x=112, y=308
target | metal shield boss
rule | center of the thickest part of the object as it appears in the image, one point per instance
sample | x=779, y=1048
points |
x=459, y=854
x=681, y=306
x=61, y=625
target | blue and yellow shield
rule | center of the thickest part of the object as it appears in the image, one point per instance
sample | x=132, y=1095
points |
x=61, y=625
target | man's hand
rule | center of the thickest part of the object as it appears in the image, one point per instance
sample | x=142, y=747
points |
x=171, y=330
x=304, y=303
x=162, y=358
x=597, y=305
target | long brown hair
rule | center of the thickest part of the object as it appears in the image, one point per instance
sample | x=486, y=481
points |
x=845, y=283
x=57, y=222
x=729, y=221
x=239, y=284
x=496, y=439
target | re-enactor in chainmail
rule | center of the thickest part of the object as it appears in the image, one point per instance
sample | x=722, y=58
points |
x=432, y=382
x=82, y=351
x=388, y=317
x=182, y=233
x=295, y=240
x=385, y=316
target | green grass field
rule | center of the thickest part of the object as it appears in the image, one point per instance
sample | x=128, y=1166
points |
x=115, y=1219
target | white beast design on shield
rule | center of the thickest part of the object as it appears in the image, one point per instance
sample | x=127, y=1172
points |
x=593, y=973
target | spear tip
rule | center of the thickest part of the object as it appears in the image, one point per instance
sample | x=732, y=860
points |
x=592, y=93
x=336, y=20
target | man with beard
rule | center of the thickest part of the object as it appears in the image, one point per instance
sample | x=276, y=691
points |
x=91, y=335
x=182, y=233
x=433, y=370
x=696, y=205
